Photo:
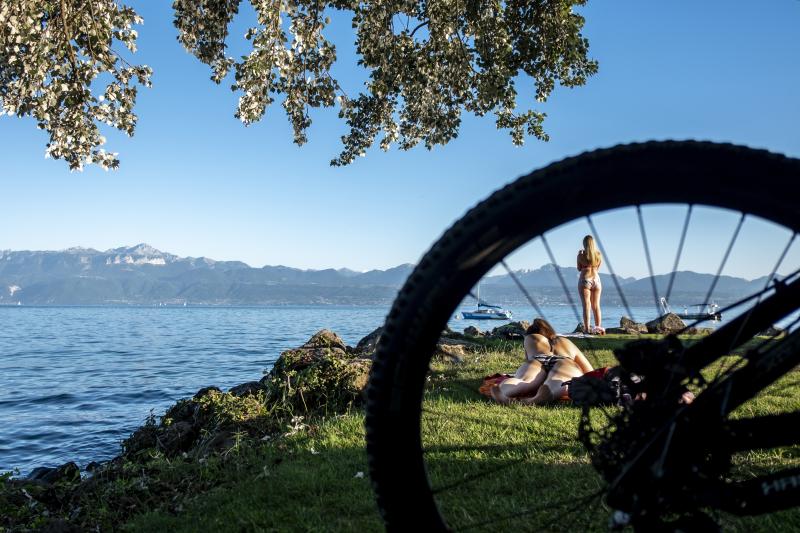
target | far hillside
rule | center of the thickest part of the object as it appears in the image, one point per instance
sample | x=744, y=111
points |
x=143, y=275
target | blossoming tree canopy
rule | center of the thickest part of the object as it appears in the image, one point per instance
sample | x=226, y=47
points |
x=51, y=51
x=427, y=61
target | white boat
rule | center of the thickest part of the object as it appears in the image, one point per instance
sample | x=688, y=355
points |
x=704, y=311
x=486, y=311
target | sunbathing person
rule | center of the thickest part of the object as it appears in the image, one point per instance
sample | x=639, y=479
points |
x=550, y=361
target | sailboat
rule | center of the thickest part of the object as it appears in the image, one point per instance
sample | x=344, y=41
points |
x=486, y=311
x=704, y=311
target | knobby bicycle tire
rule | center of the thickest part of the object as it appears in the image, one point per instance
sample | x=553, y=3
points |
x=752, y=181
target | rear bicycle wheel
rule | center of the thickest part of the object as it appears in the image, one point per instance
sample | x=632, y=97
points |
x=753, y=183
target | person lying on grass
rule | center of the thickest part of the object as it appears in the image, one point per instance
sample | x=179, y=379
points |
x=550, y=360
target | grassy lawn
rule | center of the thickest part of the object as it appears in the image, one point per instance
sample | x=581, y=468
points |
x=501, y=467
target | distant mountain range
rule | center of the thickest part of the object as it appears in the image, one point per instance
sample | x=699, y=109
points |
x=143, y=275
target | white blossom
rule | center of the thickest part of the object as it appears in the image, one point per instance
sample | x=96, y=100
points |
x=51, y=52
x=427, y=61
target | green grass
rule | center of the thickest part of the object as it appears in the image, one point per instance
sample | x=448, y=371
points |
x=513, y=467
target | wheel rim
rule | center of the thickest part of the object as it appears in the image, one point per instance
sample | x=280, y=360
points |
x=394, y=404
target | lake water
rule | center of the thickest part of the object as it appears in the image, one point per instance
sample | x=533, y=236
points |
x=75, y=381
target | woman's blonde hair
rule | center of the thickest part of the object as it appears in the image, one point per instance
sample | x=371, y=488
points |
x=591, y=252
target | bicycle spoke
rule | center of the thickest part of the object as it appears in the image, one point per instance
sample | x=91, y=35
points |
x=755, y=296
x=649, y=261
x=780, y=260
x=725, y=257
x=680, y=251
x=610, y=268
x=478, y=420
x=532, y=510
x=778, y=390
x=737, y=337
x=493, y=447
x=591, y=341
x=766, y=287
x=495, y=470
x=561, y=279
x=522, y=288
x=579, y=506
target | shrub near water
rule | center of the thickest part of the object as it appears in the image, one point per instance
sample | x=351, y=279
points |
x=322, y=376
x=197, y=443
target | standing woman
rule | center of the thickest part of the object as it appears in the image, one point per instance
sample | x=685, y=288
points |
x=589, y=286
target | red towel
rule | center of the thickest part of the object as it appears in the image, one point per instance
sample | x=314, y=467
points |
x=491, y=381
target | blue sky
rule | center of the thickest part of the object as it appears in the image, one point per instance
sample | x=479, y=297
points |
x=195, y=182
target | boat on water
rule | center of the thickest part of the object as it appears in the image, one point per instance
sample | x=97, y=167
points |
x=703, y=311
x=486, y=311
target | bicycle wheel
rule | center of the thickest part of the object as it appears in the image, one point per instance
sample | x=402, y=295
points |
x=756, y=184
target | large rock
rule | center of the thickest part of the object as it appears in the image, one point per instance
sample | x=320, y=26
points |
x=631, y=327
x=699, y=331
x=450, y=352
x=366, y=346
x=666, y=324
x=321, y=375
x=68, y=472
x=472, y=331
x=247, y=389
x=454, y=350
x=511, y=331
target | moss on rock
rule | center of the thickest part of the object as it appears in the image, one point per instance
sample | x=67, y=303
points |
x=323, y=376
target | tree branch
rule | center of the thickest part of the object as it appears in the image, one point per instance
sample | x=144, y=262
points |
x=420, y=25
x=65, y=28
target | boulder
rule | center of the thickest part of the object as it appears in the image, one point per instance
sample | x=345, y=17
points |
x=206, y=390
x=321, y=375
x=93, y=466
x=699, y=331
x=511, y=331
x=326, y=338
x=666, y=324
x=249, y=388
x=472, y=331
x=454, y=353
x=358, y=370
x=68, y=472
x=218, y=442
x=367, y=344
x=631, y=327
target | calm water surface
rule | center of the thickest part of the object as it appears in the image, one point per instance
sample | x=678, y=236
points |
x=75, y=381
